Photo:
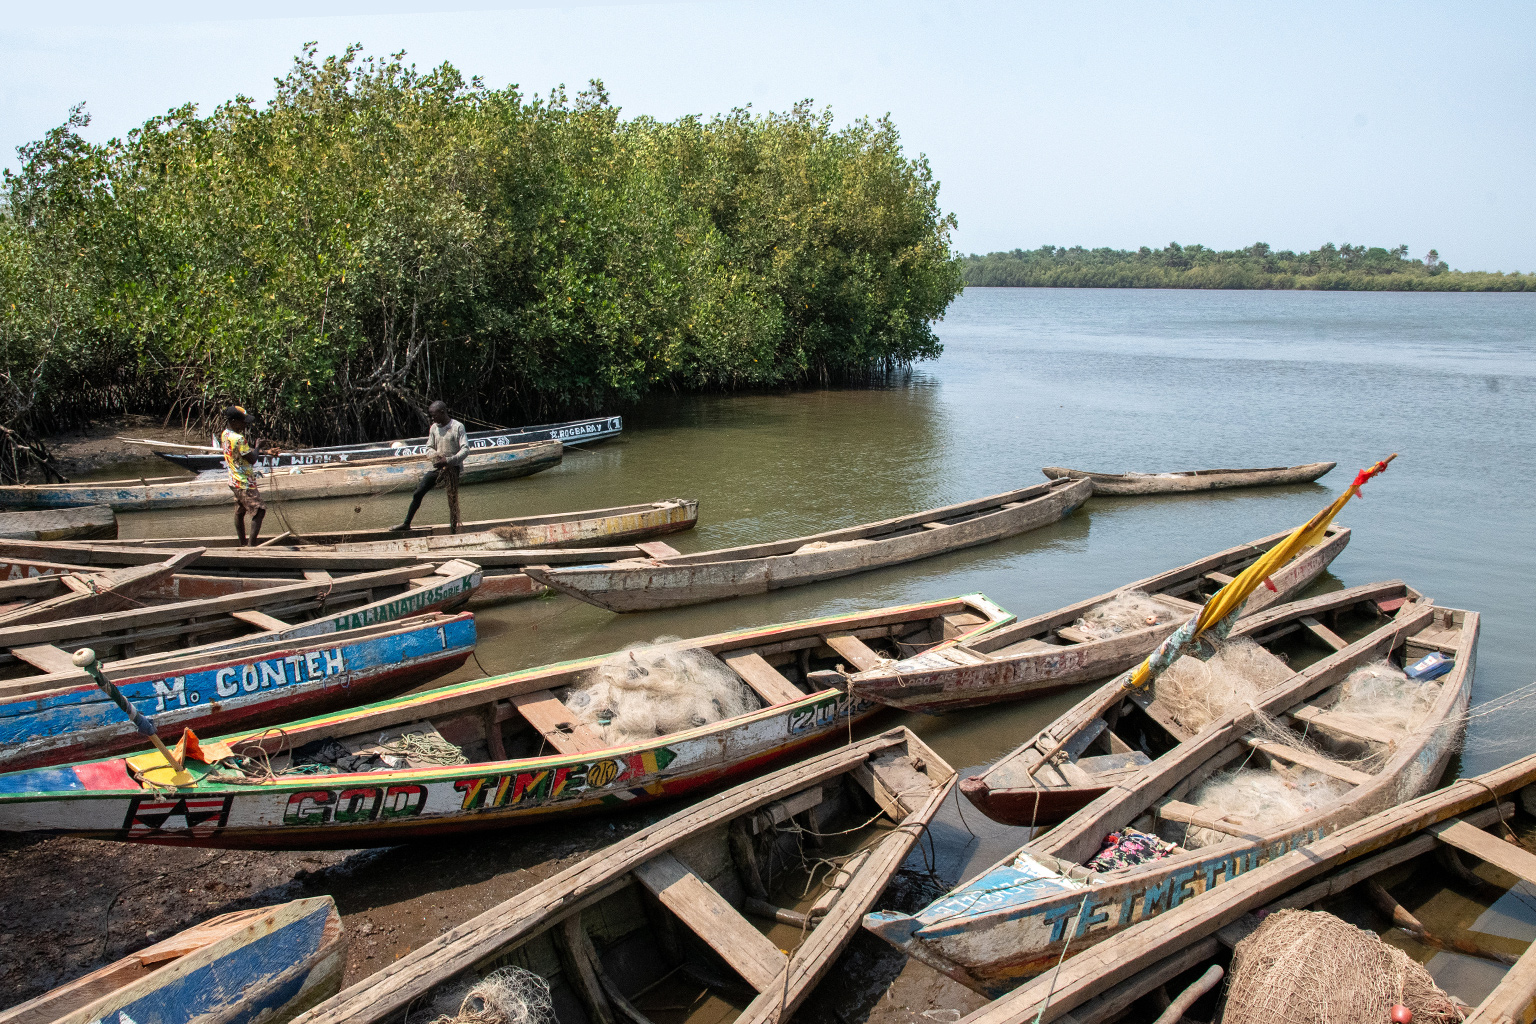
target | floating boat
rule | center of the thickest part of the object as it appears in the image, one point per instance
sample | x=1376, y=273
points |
x=1185, y=481
x=242, y=968
x=709, y=871
x=371, y=477
x=672, y=579
x=1083, y=753
x=1422, y=841
x=604, y=526
x=48, y=592
x=85, y=523
x=1053, y=651
x=261, y=613
x=498, y=751
x=574, y=432
x=1304, y=767
x=62, y=716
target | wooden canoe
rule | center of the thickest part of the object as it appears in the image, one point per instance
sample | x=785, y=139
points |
x=672, y=580
x=1046, y=653
x=1015, y=791
x=61, y=716
x=1185, y=481
x=371, y=477
x=703, y=870
x=242, y=968
x=573, y=432
x=528, y=756
x=1410, y=840
x=283, y=612
x=86, y=523
x=1011, y=921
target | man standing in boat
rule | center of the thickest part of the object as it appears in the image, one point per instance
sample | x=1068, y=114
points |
x=450, y=447
x=239, y=457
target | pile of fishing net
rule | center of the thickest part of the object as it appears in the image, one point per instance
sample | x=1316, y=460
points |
x=830, y=545
x=1382, y=693
x=1127, y=611
x=651, y=690
x=1257, y=800
x=510, y=995
x=1195, y=693
x=1309, y=967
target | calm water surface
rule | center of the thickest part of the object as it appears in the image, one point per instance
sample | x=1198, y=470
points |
x=1097, y=379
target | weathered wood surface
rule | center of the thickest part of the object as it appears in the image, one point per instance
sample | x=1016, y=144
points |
x=711, y=918
x=84, y=523
x=1191, y=480
x=642, y=584
x=554, y=900
x=1084, y=975
x=99, y=593
x=371, y=477
x=990, y=943
x=1027, y=658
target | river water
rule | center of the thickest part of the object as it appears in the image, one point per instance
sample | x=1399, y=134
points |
x=1106, y=380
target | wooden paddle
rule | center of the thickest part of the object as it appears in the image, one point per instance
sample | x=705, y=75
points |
x=86, y=658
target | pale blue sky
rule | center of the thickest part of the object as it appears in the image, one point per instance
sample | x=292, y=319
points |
x=1116, y=124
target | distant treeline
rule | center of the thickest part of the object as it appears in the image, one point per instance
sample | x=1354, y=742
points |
x=1342, y=268
x=375, y=236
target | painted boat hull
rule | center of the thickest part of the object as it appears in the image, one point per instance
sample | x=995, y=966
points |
x=700, y=578
x=1191, y=481
x=937, y=681
x=295, y=484
x=85, y=523
x=262, y=967
x=996, y=930
x=229, y=692
x=98, y=799
x=573, y=432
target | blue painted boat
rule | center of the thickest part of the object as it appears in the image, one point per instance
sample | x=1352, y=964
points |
x=251, y=967
x=62, y=717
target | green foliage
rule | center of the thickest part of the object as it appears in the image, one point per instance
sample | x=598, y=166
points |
x=1342, y=268
x=375, y=235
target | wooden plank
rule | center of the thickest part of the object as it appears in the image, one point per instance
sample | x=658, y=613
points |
x=1117, y=999
x=317, y=575
x=1022, y=647
x=1307, y=759
x=555, y=722
x=712, y=919
x=1219, y=577
x=1352, y=726
x=840, y=881
x=261, y=620
x=659, y=549
x=767, y=681
x=787, y=808
x=935, y=526
x=280, y=538
x=1489, y=848
x=1075, y=635
x=76, y=583
x=1178, y=810
x=1323, y=633
x=46, y=657
x=855, y=650
x=1510, y=1001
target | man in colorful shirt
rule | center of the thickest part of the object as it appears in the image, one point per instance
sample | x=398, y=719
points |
x=450, y=447
x=239, y=456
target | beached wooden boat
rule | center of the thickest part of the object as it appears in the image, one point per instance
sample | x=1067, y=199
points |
x=1051, y=652
x=1185, y=481
x=573, y=432
x=46, y=592
x=1411, y=843
x=1161, y=836
x=717, y=882
x=526, y=754
x=1086, y=756
x=85, y=523
x=605, y=526
x=285, y=611
x=370, y=476
x=62, y=716
x=249, y=967
x=670, y=580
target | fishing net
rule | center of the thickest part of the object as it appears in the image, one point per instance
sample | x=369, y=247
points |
x=1126, y=611
x=830, y=545
x=1382, y=693
x=1194, y=693
x=1309, y=967
x=1257, y=800
x=647, y=691
x=510, y=995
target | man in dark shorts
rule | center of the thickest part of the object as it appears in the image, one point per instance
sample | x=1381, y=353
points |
x=239, y=456
x=450, y=447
